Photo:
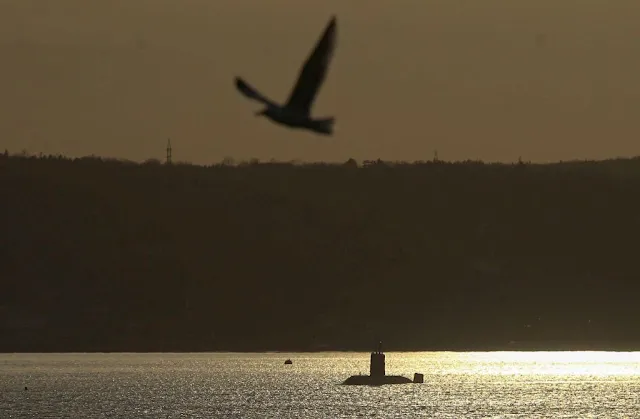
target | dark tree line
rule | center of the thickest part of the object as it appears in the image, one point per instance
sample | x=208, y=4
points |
x=100, y=254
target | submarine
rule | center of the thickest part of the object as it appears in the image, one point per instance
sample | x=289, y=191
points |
x=377, y=375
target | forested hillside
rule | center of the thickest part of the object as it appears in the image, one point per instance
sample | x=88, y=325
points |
x=108, y=255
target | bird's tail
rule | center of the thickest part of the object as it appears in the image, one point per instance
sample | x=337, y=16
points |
x=324, y=125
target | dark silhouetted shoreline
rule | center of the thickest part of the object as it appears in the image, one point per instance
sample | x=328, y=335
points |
x=105, y=255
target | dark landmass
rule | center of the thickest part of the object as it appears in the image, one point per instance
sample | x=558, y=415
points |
x=106, y=255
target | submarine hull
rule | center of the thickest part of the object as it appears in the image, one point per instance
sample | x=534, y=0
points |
x=367, y=380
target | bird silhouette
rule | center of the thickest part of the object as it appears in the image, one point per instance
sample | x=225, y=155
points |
x=296, y=112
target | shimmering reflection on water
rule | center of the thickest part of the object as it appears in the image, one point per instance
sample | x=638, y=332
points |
x=457, y=385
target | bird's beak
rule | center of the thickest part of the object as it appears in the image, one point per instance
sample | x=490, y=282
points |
x=261, y=112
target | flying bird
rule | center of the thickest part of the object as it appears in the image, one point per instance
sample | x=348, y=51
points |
x=296, y=112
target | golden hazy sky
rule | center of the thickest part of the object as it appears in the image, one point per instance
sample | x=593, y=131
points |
x=474, y=79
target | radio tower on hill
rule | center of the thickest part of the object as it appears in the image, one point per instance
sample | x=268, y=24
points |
x=168, y=151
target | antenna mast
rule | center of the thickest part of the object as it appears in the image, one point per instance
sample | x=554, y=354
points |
x=169, y=151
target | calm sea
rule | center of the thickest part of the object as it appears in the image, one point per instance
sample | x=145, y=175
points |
x=231, y=385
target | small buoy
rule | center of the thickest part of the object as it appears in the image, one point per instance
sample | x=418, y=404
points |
x=25, y=388
x=288, y=362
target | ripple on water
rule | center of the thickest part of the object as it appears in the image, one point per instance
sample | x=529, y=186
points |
x=470, y=385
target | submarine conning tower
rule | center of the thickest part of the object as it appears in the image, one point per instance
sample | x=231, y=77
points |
x=376, y=368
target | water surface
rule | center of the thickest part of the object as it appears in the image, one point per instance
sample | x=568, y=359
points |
x=232, y=385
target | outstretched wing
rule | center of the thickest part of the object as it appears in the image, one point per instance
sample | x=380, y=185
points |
x=252, y=93
x=313, y=72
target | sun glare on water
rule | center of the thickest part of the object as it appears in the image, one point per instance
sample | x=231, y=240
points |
x=599, y=364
